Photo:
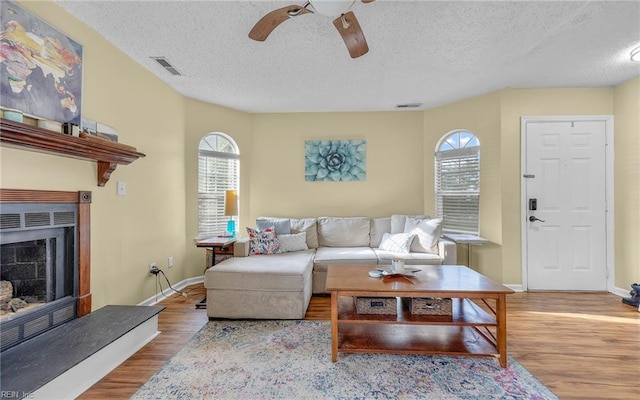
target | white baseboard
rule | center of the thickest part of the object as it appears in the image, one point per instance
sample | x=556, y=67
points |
x=621, y=292
x=515, y=287
x=81, y=377
x=158, y=297
x=617, y=291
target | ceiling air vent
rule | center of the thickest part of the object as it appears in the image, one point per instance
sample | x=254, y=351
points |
x=409, y=105
x=167, y=65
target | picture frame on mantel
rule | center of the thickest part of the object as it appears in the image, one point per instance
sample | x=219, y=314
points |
x=26, y=82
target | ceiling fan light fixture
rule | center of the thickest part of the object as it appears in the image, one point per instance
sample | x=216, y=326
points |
x=635, y=54
x=345, y=22
x=331, y=8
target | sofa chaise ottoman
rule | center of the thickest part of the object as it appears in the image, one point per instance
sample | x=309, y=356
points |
x=276, y=286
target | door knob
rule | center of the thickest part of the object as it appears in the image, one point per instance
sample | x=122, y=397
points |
x=534, y=219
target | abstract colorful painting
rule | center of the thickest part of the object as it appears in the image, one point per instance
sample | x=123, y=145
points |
x=335, y=160
x=40, y=68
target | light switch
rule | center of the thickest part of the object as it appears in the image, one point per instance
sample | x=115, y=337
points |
x=122, y=189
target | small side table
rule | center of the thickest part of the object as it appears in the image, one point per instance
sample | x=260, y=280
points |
x=218, y=245
x=468, y=239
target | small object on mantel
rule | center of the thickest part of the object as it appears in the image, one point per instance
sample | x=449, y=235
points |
x=54, y=126
x=71, y=129
x=12, y=115
x=107, y=132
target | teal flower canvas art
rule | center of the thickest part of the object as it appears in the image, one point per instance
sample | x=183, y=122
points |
x=335, y=160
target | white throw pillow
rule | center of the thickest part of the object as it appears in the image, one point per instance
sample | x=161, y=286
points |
x=293, y=242
x=427, y=234
x=396, y=243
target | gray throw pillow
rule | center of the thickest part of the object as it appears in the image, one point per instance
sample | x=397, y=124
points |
x=282, y=225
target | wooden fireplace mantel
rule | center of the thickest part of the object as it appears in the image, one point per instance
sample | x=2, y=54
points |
x=83, y=201
x=86, y=147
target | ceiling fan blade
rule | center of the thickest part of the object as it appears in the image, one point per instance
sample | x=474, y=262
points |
x=351, y=33
x=269, y=22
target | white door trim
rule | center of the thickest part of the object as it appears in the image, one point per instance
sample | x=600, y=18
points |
x=609, y=154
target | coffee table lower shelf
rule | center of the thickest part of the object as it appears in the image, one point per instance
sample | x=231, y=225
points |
x=414, y=339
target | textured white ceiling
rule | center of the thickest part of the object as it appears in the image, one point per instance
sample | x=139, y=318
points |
x=429, y=52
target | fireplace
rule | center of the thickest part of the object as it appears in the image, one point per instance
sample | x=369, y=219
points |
x=44, y=267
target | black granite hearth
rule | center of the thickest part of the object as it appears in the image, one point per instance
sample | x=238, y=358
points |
x=30, y=365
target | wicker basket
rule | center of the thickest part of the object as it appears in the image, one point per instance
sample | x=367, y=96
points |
x=429, y=305
x=377, y=305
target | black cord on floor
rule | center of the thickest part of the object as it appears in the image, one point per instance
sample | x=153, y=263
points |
x=170, y=287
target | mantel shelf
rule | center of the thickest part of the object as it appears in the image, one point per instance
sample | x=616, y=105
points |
x=107, y=154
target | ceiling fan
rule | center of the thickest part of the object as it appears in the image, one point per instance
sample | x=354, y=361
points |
x=346, y=22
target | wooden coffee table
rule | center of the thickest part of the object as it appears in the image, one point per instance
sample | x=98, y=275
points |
x=470, y=330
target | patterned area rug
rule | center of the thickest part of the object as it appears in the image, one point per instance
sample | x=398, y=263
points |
x=292, y=360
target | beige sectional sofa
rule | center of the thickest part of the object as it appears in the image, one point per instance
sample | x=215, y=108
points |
x=279, y=286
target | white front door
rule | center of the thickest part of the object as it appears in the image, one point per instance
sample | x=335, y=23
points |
x=565, y=195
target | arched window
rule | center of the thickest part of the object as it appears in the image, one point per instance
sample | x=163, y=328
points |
x=218, y=171
x=457, y=180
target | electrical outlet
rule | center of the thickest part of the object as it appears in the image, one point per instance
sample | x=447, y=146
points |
x=152, y=267
x=170, y=262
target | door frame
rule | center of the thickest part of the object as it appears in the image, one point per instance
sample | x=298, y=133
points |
x=609, y=186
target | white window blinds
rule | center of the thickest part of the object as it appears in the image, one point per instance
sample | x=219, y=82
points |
x=218, y=170
x=457, y=183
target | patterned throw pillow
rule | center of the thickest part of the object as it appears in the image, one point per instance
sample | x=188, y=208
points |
x=263, y=242
x=397, y=242
x=293, y=242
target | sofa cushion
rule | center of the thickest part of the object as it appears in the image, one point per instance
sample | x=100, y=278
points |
x=309, y=226
x=378, y=227
x=263, y=242
x=385, y=257
x=343, y=232
x=343, y=255
x=278, y=272
x=282, y=225
x=397, y=242
x=293, y=242
x=427, y=233
x=398, y=221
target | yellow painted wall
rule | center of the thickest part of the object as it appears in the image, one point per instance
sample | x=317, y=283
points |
x=626, y=106
x=394, y=182
x=481, y=116
x=148, y=224
x=201, y=119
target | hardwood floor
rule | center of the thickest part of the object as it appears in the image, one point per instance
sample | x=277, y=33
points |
x=580, y=345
